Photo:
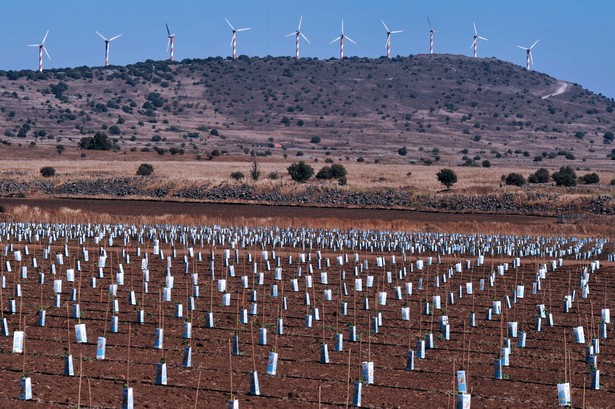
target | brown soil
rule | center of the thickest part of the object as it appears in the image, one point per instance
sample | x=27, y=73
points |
x=301, y=380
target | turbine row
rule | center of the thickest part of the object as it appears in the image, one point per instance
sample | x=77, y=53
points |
x=298, y=34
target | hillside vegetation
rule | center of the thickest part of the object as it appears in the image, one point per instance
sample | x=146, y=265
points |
x=425, y=109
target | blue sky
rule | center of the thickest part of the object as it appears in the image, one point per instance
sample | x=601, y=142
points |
x=577, y=38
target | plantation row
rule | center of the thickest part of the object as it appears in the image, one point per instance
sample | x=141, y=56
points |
x=264, y=316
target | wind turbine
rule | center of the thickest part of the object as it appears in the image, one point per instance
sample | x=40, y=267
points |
x=475, y=41
x=234, y=39
x=341, y=37
x=298, y=34
x=107, y=41
x=431, y=32
x=41, y=47
x=171, y=43
x=389, y=32
x=529, y=59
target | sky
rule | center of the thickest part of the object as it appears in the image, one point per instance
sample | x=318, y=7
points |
x=577, y=38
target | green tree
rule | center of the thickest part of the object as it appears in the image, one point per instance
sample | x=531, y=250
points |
x=300, y=172
x=515, y=179
x=566, y=176
x=447, y=177
x=590, y=179
x=540, y=176
x=100, y=142
x=47, y=171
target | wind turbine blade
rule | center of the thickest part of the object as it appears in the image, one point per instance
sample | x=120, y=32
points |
x=472, y=44
x=102, y=36
x=342, y=26
x=535, y=42
x=350, y=39
x=113, y=38
x=45, y=49
x=291, y=34
x=475, y=31
x=531, y=57
x=33, y=45
x=332, y=41
x=305, y=38
x=44, y=38
x=229, y=24
x=385, y=26
x=299, y=26
x=429, y=22
x=523, y=48
x=243, y=29
x=168, y=31
x=483, y=38
x=397, y=31
x=231, y=44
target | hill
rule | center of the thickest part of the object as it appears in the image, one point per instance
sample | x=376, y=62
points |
x=427, y=109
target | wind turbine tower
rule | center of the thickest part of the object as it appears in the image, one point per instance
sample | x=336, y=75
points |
x=234, y=39
x=107, y=41
x=431, y=33
x=529, y=60
x=341, y=37
x=41, y=47
x=298, y=34
x=389, y=32
x=475, y=41
x=171, y=43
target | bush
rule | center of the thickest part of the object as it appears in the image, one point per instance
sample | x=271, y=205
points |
x=540, y=176
x=403, y=151
x=324, y=173
x=566, y=176
x=273, y=176
x=515, y=179
x=115, y=130
x=48, y=171
x=315, y=139
x=145, y=169
x=447, y=177
x=300, y=172
x=613, y=182
x=590, y=179
x=338, y=171
x=486, y=164
x=238, y=175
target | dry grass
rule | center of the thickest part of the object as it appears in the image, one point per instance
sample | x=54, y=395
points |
x=360, y=175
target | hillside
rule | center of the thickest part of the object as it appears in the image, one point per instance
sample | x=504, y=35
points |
x=442, y=108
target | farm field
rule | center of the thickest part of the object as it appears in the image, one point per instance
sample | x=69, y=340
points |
x=302, y=287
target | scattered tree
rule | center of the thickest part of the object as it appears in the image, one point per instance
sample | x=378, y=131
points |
x=590, y=179
x=145, y=169
x=566, y=176
x=100, y=142
x=540, y=176
x=300, y=172
x=515, y=179
x=447, y=177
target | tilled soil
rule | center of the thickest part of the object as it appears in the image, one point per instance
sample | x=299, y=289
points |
x=301, y=380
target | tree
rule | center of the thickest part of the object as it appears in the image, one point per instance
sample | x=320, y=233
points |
x=447, y=177
x=115, y=130
x=324, y=173
x=590, y=179
x=608, y=137
x=338, y=171
x=48, y=171
x=255, y=172
x=540, y=176
x=515, y=179
x=300, y=172
x=566, y=176
x=145, y=169
x=100, y=142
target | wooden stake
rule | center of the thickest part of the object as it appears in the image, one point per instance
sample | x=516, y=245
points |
x=80, y=380
x=128, y=357
x=348, y=380
x=196, y=396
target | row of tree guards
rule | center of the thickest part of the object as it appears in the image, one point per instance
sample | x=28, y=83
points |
x=353, y=276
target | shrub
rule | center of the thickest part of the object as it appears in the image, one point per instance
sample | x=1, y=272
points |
x=48, y=171
x=540, y=176
x=273, y=176
x=447, y=177
x=324, y=173
x=403, y=151
x=590, y=179
x=315, y=139
x=338, y=171
x=608, y=137
x=566, y=176
x=145, y=169
x=515, y=179
x=114, y=130
x=300, y=172
x=613, y=182
x=486, y=164
x=238, y=175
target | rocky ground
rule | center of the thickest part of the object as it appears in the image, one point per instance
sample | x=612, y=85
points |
x=525, y=202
